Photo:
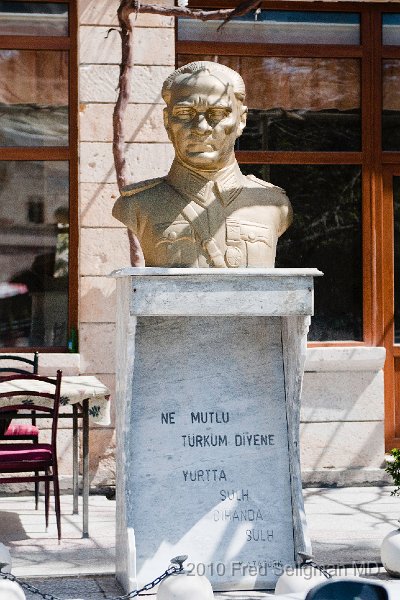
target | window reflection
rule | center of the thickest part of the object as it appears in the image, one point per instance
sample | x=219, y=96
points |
x=299, y=104
x=34, y=242
x=391, y=29
x=33, y=18
x=396, y=225
x=326, y=233
x=277, y=27
x=34, y=98
x=391, y=105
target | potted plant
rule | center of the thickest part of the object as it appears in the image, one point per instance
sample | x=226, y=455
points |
x=390, y=548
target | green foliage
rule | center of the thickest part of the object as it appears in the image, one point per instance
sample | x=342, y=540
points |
x=393, y=468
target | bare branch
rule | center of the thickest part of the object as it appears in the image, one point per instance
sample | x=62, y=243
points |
x=125, y=76
x=127, y=7
x=121, y=166
x=241, y=9
x=136, y=252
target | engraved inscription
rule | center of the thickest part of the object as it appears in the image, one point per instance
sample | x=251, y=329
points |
x=233, y=506
x=205, y=475
x=168, y=418
x=239, y=495
x=204, y=441
x=257, y=439
x=210, y=417
x=249, y=514
x=259, y=535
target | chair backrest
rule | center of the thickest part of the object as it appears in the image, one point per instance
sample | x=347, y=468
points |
x=18, y=368
x=348, y=589
x=24, y=393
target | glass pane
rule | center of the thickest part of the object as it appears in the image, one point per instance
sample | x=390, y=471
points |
x=391, y=105
x=391, y=29
x=309, y=104
x=34, y=101
x=396, y=224
x=326, y=233
x=33, y=18
x=277, y=27
x=34, y=240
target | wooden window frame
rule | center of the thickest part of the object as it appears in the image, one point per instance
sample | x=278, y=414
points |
x=371, y=158
x=58, y=153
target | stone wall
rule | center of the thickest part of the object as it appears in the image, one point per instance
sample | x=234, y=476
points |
x=342, y=418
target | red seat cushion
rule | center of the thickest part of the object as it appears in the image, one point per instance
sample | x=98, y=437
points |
x=5, y=420
x=23, y=454
x=21, y=429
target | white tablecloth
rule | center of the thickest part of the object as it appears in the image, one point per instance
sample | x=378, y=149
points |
x=74, y=389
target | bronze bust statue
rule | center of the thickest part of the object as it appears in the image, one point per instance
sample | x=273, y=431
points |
x=205, y=212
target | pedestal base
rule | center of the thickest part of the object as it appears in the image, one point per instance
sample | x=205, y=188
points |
x=208, y=416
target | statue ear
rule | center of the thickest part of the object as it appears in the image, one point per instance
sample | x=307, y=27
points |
x=166, y=121
x=242, y=121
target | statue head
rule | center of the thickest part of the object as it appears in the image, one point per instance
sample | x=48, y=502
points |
x=205, y=113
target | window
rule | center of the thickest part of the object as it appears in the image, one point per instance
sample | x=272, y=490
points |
x=327, y=232
x=278, y=27
x=324, y=123
x=303, y=71
x=38, y=164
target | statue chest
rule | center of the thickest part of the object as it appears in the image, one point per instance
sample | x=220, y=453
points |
x=216, y=236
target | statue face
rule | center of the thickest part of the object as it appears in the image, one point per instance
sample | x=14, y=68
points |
x=203, y=120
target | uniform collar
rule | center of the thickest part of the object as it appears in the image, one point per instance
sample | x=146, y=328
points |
x=226, y=184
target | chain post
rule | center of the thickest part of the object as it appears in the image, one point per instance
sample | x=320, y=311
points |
x=27, y=586
x=176, y=567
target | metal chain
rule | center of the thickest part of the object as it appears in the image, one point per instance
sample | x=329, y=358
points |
x=27, y=586
x=308, y=562
x=156, y=581
x=177, y=567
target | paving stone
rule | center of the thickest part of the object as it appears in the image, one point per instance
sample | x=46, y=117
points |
x=345, y=525
x=76, y=587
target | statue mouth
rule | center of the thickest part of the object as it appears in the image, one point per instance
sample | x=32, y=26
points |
x=199, y=147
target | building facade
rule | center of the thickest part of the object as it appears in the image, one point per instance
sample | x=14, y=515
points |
x=324, y=123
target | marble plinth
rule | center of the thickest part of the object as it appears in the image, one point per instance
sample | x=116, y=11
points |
x=209, y=371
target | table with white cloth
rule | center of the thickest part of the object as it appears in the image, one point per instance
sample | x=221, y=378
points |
x=89, y=401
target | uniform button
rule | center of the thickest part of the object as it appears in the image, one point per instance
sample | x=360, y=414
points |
x=252, y=236
x=172, y=235
x=233, y=256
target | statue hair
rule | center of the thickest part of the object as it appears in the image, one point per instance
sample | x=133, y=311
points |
x=213, y=68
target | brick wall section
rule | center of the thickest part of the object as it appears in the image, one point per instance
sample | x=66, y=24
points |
x=103, y=241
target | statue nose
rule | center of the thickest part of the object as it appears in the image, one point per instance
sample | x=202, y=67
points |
x=202, y=125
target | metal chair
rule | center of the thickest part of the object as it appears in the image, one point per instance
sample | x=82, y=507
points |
x=348, y=589
x=35, y=457
x=34, y=362
x=18, y=431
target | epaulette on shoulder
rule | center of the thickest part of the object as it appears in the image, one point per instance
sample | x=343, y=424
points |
x=135, y=188
x=266, y=184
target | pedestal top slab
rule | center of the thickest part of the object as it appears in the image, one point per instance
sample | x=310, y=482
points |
x=186, y=272
x=219, y=292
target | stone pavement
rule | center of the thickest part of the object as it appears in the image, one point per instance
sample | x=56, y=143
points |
x=39, y=554
x=346, y=525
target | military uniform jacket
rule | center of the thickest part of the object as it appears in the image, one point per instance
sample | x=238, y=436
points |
x=187, y=220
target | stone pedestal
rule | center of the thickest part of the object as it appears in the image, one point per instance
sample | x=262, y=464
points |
x=209, y=372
